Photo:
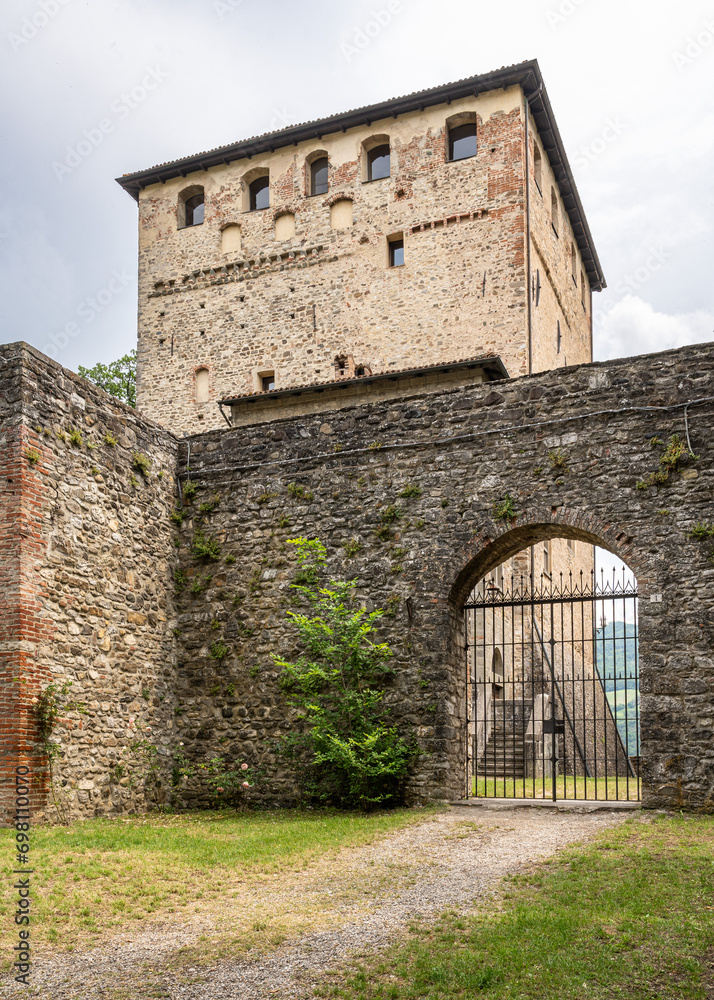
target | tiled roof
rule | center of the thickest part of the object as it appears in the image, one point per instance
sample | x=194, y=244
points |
x=491, y=363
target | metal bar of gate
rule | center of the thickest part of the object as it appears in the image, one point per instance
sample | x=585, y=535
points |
x=560, y=696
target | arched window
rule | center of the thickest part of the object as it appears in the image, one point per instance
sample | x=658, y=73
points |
x=319, y=176
x=554, y=210
x=462, y=141
x=538, y=167
x=201, y=378
x=191, y=207
x=259, y=193
x=378, y=162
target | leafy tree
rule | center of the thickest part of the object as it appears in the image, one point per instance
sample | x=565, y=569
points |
x=117, y=378
x=347, y=753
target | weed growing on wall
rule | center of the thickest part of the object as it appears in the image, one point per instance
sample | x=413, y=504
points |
x=505, y=509
x=139, y=765
x=675, y=455
x=227, y=780
x=48, y=707
x=205, y=547
x=141, y=462
x=348, y=752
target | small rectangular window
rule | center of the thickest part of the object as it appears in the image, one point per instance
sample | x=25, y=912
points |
x=267, y=381
x=396, y=253
x=554, y=210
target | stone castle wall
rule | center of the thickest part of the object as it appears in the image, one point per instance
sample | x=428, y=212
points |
x=86, y=588
x=335, y=476
x=103, y=586
x=292, y=305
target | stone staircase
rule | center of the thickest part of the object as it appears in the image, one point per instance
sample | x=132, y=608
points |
x=504, y=752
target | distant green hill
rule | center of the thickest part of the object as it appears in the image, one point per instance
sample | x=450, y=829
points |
x=616, y=652
x=616, y=659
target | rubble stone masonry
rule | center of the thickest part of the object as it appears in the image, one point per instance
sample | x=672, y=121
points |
x=103, y=586
x=85, y=576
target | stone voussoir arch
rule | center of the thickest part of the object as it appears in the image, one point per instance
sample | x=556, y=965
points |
x=500, y=540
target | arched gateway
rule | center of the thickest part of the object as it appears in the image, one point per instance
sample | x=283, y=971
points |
x=551, y=671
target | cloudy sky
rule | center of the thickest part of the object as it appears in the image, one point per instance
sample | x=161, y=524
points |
x=631, y=84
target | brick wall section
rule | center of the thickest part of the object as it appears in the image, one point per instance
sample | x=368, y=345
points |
x=86, y=583
x=19, y=628
x=355, y=462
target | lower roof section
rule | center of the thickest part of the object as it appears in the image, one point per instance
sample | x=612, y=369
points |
x=261, y=407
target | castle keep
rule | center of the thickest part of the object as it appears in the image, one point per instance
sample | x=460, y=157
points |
x=395, y=297
x=423, y=230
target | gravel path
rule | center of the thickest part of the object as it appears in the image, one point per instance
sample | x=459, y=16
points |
x=453, y=859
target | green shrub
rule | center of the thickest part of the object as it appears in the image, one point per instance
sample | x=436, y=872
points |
x=209, y=505
x=348, y=751
x=675, y=455
x=352, y=547
x=702, y=531
x=411, y=490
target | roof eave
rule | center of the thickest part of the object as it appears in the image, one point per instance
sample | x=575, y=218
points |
x=492, y=365
x=527, y=75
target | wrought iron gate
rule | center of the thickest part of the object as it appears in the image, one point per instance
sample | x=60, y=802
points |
x=553, y=689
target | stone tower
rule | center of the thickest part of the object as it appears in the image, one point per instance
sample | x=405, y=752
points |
x=398, y=236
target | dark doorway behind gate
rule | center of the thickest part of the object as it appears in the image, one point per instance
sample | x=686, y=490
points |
x=553, y=688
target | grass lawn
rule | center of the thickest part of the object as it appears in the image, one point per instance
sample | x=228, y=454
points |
x=629, y=916
x=566, y=787
x=110, y=875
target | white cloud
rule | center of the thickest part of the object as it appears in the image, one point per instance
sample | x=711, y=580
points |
x=633, y=326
